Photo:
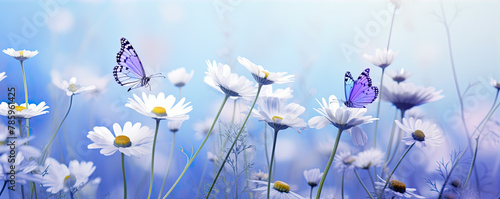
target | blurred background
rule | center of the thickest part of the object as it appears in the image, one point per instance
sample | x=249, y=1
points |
x=318, y=41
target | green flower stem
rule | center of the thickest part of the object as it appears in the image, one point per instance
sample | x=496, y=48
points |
x=124, y=177
x=234, y=142
x=169, y=164
x=378, y=108
x=250, y=194
x=153, y=158
x=201, y=179
x=477, y=145
x=325, y=172
x=363, y=184
x=26, y=98
x=371, y=178
x=271, y=166
x=389, y=147
x=311, y=193
x=399, y=162
x=199, y=149
x=398, y=140
x=265, y=145
x=343, y=174
x=47, y=147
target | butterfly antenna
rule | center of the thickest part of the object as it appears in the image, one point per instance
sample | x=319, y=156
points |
x=158, y=75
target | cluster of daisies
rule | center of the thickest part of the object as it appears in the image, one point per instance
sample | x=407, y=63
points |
x=270, y=106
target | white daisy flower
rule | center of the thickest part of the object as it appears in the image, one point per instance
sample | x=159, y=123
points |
x=20, y=111
x=263, y=76
x=396, y=189
x=344, y=161
x=345, y=118
x=279, y=190
x=267, y=91
x=313, y=176
x=278, y=116
x=369, y=158
x=20, y=55
x=61, y=178
x=23, y=168
x=201, y=128
x=2, y=76
x=174, y=125
x=179, y=77
x=382, y=58
x=159, y=107
x=398, y=76
x=219, y=76
x=71, y=87
x=132, y=140
x=406, y=95
x=28, y=151
x=493, y=82
x=420, y=133
x=260, y=176
x=212, y=157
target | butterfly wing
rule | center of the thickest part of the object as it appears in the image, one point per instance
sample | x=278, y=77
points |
x=362, y=92
x=348, y=84
x=129, y=70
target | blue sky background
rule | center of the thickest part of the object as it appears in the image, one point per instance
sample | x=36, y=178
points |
x=81, y=38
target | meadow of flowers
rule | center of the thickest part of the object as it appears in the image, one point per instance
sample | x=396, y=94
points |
x=130, y=110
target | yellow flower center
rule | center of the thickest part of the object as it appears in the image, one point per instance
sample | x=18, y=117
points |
x=20, y=108
x=418, y=135
x=277, y=117
x=281, y=186
x=20, y=53
x=266, y=74
x=159, y=111
x=66, y=178
x=122, y=141
x=73, y=87
x=398, y=186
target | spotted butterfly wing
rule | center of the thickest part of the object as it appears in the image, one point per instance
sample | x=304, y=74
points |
x=129, y=71
x=359, y=92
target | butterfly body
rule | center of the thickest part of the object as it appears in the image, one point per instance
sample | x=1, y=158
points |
x=359, y=92
x=129, y=71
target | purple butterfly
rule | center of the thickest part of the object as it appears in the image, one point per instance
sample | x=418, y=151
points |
x=129, y=70
x=360, y=92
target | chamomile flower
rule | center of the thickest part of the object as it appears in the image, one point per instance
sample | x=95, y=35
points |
x=399, y=76
x=71, y=87
x=279, y=190
x=420, y=133
x=382, y=58
x=2, y=76
x=345, y=118
x=312, y=176
x=369, y=158
x=179, y=77
x=280, y=116
x=28, y=151
x=133, y=140
x=264, y=77
x=493, y=82
x=219, y=76
x=396, y=189
x=174, y=125
x=20, y=111
x=160, y=107
x=212, y=157
x=59, y=177
x=260, y=176
x=267, y=91
x=23, y=168
x=20, y=55
x=201, y=128
x=406, y=95
x=344, y=161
